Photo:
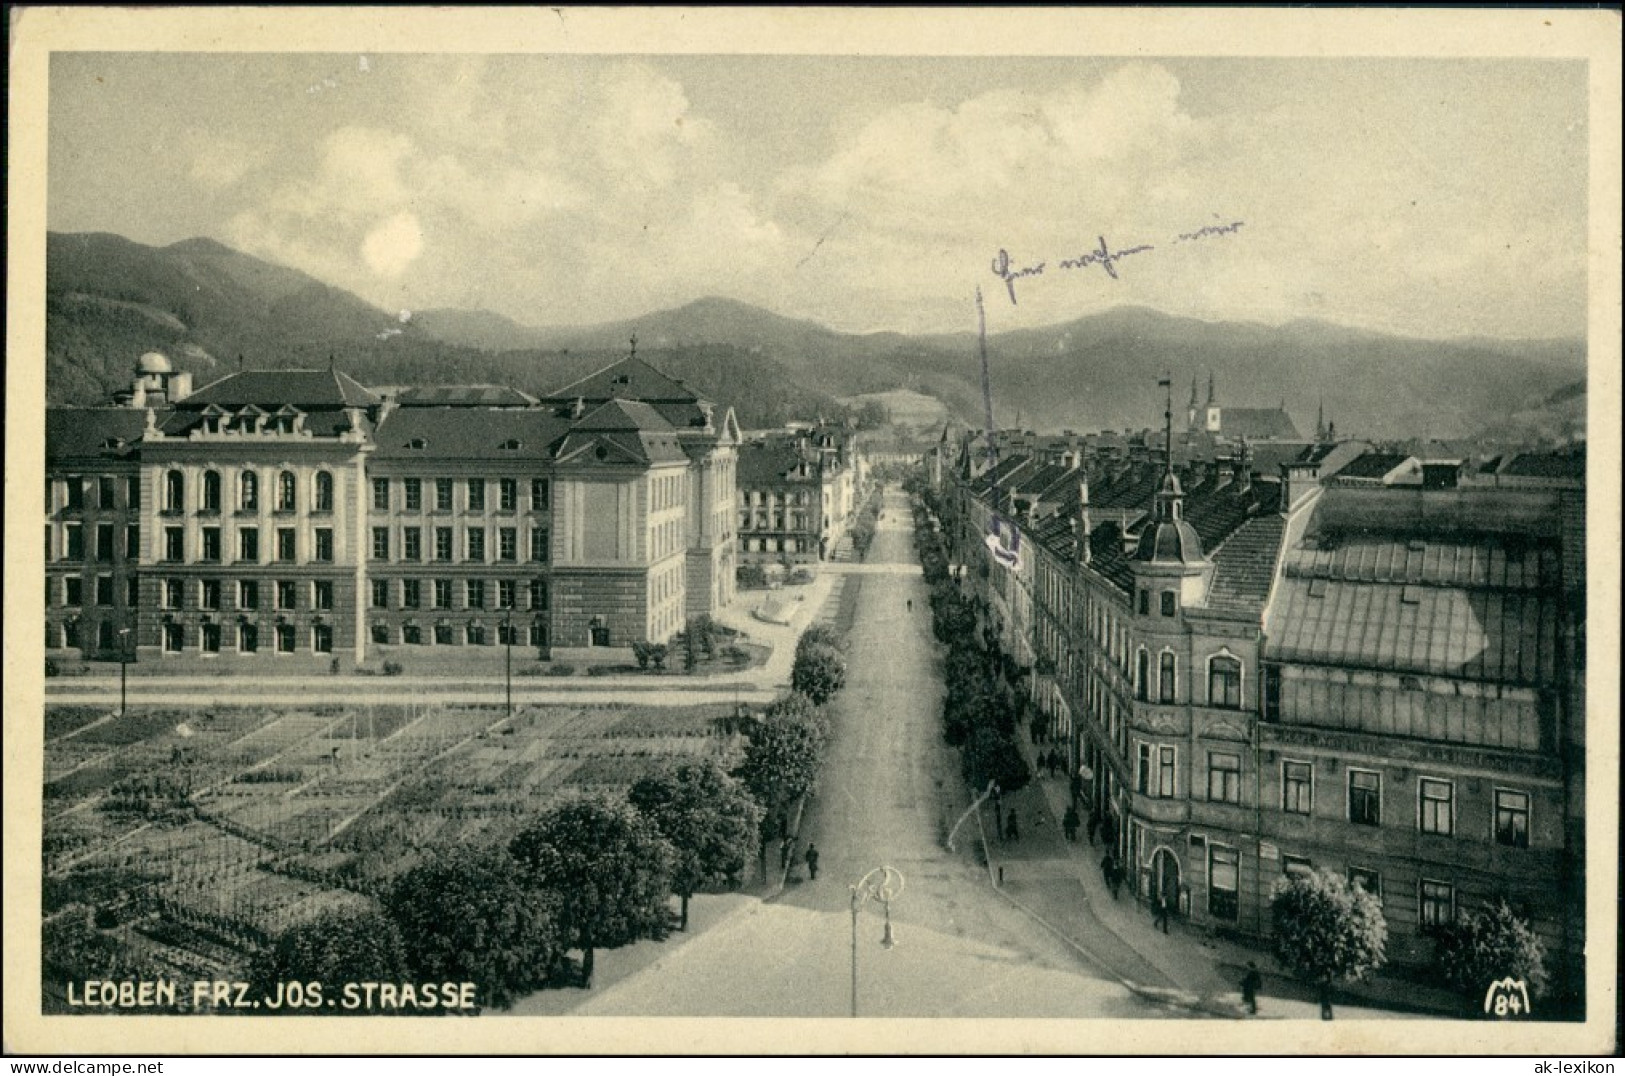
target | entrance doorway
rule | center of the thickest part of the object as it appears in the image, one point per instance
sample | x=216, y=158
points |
x=598, y=635
x=1164, y=877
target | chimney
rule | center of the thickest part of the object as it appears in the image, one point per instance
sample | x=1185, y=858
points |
x=1298, y=479
x=1082, y=525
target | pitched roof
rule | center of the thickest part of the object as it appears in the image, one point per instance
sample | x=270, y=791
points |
x=1562, y=464
x=631, y=429
x=1476, y=606
x=1258, y=423
x=1373, y=465
x=93, y=432
x=1244, y=566
x=464, y=396
x=305, y=389
x=456, y=433
x=629, y=379
x=768, y=463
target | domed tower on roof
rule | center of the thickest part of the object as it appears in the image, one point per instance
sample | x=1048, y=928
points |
x=156, y=382
x=1168, y=558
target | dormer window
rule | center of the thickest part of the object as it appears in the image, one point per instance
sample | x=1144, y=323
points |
x=512, y=444
x=417, y=444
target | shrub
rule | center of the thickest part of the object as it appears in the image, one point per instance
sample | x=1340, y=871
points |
x=561, y=670
x=819, y=672
x=1327, y=930
x=393, y=668
x=1488, y=946
x=52, y=668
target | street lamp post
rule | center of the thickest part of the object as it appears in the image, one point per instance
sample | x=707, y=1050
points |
x=123, y=670
x=507, y=635
x=883, y=884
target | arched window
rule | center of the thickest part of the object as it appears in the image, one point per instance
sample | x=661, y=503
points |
x=1167, y=685
x=1224, y=682
x=248, y=491
x=286, y=492
x=211, y=491
x=174, y=492
x=1142, y=682
x=324, y=492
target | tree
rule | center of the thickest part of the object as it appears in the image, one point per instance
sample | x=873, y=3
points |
x=358, y=945
x=818, y=673
x=820, y=635
x=1492, y=944
x=610, y=868
x=467, y=916
x=785, y=751
x=990, y=755
x=708, y=818
x=1327, y=931
x=640, y=651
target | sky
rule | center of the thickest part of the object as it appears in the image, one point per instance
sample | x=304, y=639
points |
x=1428, y=197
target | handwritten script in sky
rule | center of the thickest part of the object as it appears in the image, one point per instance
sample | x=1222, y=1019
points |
x=1009, y=270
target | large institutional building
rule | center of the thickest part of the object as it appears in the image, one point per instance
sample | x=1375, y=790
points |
x=1364, y=661
x=298, y=514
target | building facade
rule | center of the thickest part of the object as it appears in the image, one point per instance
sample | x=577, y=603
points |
x=299, y=515
x=797, y=494
x=1257, y=675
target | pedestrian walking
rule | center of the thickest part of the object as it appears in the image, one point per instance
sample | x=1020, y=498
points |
x=1162, y=910
x=812, y=861
x=1012, y=827
x=1251, y=984
x=1094, y=825
x=1070, y=823
x=911, y=605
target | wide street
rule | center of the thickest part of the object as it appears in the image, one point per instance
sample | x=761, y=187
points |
x=889, y=791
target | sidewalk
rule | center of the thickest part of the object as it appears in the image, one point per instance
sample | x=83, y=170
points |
x=1061, y=885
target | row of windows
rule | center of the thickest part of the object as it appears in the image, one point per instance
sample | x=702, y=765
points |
x=1157, y=767
x=284, y=594
x=1224, y=681
x=247, y=491
x=285, y=638
x=466, y=635
x=1436, y=900
x=76, y=487
x=105, y=591
x=665, y=491
x=760, y=498
x=383, y=593
x=444, y=492
x=105, y=543
x=248, y=549
x=475, y=549
x=778, y=545
x=1169, y=602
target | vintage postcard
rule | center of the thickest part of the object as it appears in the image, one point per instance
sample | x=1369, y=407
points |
x=805, y=531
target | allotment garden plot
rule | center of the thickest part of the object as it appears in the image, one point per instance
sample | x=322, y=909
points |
x=184, y=839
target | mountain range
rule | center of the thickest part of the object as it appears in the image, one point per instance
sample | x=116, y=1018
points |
x=210, y=308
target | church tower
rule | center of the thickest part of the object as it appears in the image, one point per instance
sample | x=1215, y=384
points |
x=1212, y=406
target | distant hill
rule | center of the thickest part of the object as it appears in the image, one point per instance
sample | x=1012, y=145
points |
x=109, y=299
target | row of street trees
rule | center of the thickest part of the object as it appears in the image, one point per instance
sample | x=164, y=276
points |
x=1328, y=931
x=596, y=872
x=982, y=709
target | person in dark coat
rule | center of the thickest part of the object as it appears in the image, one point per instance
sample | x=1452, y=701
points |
x=812, y=861
x=1070, y=823
x=1094, y=825
x=1251, y=984
x=1163, y=908
x=1012, y=828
